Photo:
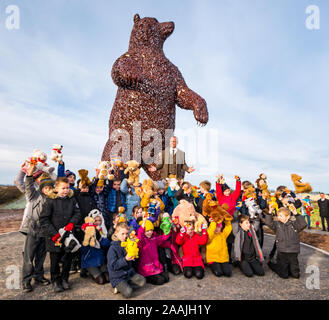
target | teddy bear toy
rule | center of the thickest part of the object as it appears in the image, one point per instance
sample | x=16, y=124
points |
x=253, y=208
x=104, y=171
x=300, y=187
x=71, y=244
x=249, y=193
x=90, y=232
x=39, y=158
x=216, y=212
x=134, y=172
x=165, y=226
x=208, y=197
x=172, y=183
x=261, y=182
x=145, y=192
x=84, y=179
x=185, y=211
x=56, y=153
x=274, y=204
x=131, y=245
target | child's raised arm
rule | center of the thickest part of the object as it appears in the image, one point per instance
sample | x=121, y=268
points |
x=237, y=190
x=204, y=236
x=180, y=239
x=211, y=230
x=269, y=219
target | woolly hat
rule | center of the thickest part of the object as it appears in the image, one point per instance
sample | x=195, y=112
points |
x=225, y=187
x=69, y=173
x=45, y=181
x=160, y=184
x=100, y=183
x=148, y=225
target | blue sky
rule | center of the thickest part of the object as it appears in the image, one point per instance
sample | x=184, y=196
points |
x=263, y=74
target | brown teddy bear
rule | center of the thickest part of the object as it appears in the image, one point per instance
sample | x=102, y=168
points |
x=134, y=172
x=145, y=192
x=90, y=232
x=261, y=182
x=84, y=179
x=249, y=192
x=217, y=212
x=185, y=211
x=300, y=187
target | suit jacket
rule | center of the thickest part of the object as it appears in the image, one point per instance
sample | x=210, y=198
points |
x=164, y=163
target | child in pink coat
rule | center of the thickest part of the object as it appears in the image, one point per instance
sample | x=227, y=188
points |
x=149, y=265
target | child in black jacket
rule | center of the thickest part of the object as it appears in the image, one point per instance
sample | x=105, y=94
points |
x=287, y=240
x=60, y=212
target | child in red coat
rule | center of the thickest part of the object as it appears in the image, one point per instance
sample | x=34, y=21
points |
x=225, y=195
x=190, y=242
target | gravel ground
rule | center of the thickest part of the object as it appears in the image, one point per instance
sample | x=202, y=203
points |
x=270, y=287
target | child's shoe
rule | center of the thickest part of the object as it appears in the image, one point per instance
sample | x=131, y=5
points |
x=65, y=285
x=27, y=287
x=58, y=287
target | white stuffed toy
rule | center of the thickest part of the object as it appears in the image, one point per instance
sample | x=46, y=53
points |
x=56, y=153
x=173, y=184
x=253, y=208
x=39, y=158
x=104, y=173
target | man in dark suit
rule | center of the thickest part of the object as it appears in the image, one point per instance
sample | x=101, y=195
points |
x=324, y=210
x=171, y=161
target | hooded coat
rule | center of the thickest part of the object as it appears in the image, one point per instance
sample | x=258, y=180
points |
x=56, y=214
x=191, y=250
x=216, y=249
x=148, y=263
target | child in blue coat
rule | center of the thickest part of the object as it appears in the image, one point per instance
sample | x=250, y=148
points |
x=122, y=275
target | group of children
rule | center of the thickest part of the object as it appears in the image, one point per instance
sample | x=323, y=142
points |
x=54, y=221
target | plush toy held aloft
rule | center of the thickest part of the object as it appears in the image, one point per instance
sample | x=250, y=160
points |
x=205, y=205
x=261, y=182
x=173, y=183
x=217, y=212
x=253, y=208
x=131, y=245
x=165, y=226
x=56, y=153
x=249, y=193
x=104, y=171
x=185, y=211
x=274, y=204
x=85, y=181
x=300, y=187
x=149, y=87
x=134, y=172
x=39, y=158
x=90, y=232
x=145, y=192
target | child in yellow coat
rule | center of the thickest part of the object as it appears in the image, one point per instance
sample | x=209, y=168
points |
x=216, y=250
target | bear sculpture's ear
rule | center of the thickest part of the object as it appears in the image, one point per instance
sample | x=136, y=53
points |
x=136, y=18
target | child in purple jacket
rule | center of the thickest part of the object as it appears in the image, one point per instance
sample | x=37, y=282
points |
x=149, y=265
